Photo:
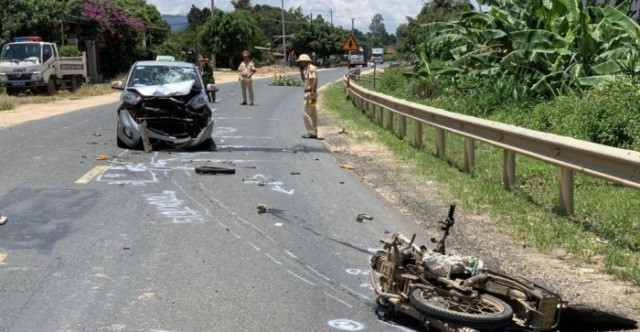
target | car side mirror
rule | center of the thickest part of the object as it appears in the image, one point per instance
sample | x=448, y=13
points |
x=118, y=85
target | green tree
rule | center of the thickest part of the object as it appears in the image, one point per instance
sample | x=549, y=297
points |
x=229, y=33
x=378, y=30
x=197, y=17
x=30, y=17
x=241, y=4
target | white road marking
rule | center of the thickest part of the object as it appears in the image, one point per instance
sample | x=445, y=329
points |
x=318, y=273
x=354, y=292
x=301, y=278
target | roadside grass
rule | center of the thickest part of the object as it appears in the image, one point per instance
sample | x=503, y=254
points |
x=604, y=231
x=87, y=90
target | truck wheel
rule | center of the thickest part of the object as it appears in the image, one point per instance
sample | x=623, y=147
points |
x=79, y=81
x=51, y=87
x=73, y=85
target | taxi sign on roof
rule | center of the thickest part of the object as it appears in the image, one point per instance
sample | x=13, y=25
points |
x=165, y=58
x=350, y=44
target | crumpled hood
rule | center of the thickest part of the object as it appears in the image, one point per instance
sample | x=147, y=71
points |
x=166, y=90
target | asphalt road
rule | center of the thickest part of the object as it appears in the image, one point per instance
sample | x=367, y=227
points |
x=143, y=243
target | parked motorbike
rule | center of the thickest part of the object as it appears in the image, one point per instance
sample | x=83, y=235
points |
x=455, y=293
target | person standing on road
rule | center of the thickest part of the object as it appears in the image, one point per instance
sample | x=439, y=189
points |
x=310, y=83
x=208, y=78
x=246, y=70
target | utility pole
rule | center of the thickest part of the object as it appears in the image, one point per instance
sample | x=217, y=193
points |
x=331, y=13
x=212, y=7
x=284, y=43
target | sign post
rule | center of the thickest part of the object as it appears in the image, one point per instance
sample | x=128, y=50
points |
x=349, y=45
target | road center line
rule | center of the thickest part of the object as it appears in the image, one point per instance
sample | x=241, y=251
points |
x=90, y=175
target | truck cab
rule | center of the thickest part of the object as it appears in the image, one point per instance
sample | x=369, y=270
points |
x=377, y=55
x=28, y=63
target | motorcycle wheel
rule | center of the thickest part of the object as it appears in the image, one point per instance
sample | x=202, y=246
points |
x=483, y=313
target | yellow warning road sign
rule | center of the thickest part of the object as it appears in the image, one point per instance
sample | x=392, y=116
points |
x=350, y=44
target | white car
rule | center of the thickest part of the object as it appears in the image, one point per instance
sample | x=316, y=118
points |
x=168, y=100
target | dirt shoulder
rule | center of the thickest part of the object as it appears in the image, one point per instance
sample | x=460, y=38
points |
x=376, y=166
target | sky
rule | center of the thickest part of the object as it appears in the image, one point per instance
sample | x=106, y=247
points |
x=393, y=12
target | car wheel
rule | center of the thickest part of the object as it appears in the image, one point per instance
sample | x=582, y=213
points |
x=120, y=143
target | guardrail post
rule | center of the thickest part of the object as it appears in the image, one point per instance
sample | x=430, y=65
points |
x=509, y=169
x=380, y=115
x=565, y=180
x=440, y=142
x=469, y=154
x=389, y=119
x=402, y=127
x=417, y=133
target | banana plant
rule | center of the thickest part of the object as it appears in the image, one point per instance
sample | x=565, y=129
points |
x=552, y=46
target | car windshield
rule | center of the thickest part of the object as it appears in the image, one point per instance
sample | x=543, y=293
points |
x=21, y=52
x=161, y=75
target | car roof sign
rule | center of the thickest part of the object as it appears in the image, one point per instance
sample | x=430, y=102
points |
x=165, y=58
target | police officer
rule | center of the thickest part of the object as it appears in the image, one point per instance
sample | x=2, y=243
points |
x=246, y=70
x=310, y=83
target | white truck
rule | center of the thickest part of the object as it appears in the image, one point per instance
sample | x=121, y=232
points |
x=28, y=63
x=377, y=55
x=357, y=58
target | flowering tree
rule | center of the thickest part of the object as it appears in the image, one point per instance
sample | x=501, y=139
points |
x=118, y=34
x=113, y=22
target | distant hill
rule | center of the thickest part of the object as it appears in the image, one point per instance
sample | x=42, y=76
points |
x=177, y=22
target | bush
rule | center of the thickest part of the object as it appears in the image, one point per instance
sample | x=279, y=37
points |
x=286, y=80
x=608, y=115
x=69, y=50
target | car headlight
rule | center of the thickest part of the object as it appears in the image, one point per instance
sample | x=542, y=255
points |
x=131, y=98
x=36, y=76
x=198, y=102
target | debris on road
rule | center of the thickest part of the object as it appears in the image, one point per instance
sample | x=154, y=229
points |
x=3, y=219
x=103, y=156
x=350, y=167
x=343, y=131
x=295, y=173
x=214, y=170
x=278, y=224
x=360, y=217
x=262, y=208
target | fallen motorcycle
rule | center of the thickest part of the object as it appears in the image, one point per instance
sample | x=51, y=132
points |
x=455, y=293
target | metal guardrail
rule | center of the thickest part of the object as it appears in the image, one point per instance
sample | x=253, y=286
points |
x=569, y=154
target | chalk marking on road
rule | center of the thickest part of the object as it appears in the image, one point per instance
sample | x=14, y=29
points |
x=90, y=175
x=273, y=259
x=301, y=278
x=354, y=292
x=337, y=299
x=254, y=246
x=290, y=254
x=206, y=211
x=234, y=234
x=318, y=273
x=237, y=217
x=169, y=205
